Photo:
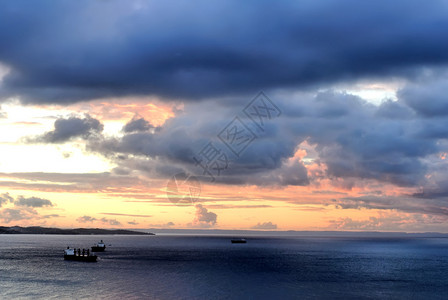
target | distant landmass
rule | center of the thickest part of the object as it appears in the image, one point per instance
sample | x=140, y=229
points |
x=85, y=231
x=289, y=233
x=233, y=233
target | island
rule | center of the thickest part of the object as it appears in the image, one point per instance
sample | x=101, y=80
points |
x=76, y=231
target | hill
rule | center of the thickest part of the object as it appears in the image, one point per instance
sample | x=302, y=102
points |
x=76, y=231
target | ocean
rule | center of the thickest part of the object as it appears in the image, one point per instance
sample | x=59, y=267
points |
x=210, y=267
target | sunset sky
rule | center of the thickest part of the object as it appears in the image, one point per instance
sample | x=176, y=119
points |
x=321, y=115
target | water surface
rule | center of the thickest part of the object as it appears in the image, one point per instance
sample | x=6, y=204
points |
x=210, y=267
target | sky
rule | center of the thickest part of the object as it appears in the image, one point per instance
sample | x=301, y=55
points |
x=264, y=115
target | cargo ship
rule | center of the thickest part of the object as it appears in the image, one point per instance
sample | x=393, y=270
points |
x=238, y=241
x=79, y=255
x=99, y=247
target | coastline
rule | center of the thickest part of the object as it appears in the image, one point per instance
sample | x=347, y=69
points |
x=75, y=231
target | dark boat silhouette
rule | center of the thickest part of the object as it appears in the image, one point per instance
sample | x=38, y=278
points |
x=238, y=241
x=77, y=255
x=99, y=247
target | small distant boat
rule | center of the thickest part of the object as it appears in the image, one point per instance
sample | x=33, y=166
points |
x=99, y=247
x=238, y=241
x=78, y=255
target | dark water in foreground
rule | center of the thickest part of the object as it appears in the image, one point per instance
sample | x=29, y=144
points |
x=210, y=267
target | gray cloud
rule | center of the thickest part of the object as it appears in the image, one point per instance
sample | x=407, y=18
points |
x=51, y=216
x=391, y=221
x=112, y=222
x=409, y=204
x=68, y=182
x=8, y=215
x=428, y=97
x=127, y=215
x=15, y=214
x=392, y=143
x=265, y=226
x=24, y=208
x=72, y=127
x=166, y=225
x=86, y=219
x=137, y=124
x=172, y=149
x=230, y=206
x=107, y=221
x=3, y=115
x=203, y=217
x=22, y=201
x=372, y=223
x=305, y=47
x=85, y=54
x=5, y=198
x=353, y=138
x=32, y=202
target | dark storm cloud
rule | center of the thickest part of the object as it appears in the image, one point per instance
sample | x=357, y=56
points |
x=390, y=109
x=428, y=98
x=175, y=141
x=172, y=150
x=72, y=127
x=137, y=124
x=71, y=51
x=360, y=140
x=391, y=142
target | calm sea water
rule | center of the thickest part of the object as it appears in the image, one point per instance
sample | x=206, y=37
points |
x=210, y=267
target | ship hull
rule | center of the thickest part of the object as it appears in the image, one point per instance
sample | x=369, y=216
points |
x=238, y=241
x=90, y=258
x=98, y=249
